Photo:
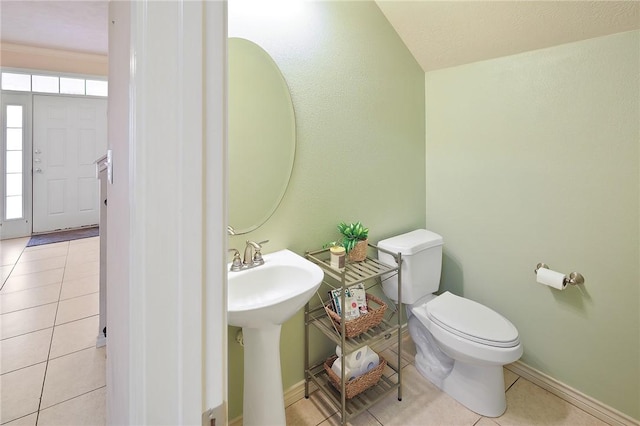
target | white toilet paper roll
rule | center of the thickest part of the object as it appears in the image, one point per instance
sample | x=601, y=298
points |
x=337, y=368
x=370, y=360
x=367, y=361
x=352, y=360
x=551, y=278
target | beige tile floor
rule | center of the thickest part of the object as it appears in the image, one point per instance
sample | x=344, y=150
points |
x=51, y=371
x=424, y=404
x=52, y=374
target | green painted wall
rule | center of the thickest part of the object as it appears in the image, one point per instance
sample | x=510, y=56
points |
x=358, y=96
x=534, y=158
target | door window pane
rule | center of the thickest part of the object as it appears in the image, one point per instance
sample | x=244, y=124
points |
x=45, y=84
x=72, y=86
x=14, y=115
x=14, y=162
x=14, y=139
x=14, y=184
x=13, y=207
x=97, y=88
x=12, y=81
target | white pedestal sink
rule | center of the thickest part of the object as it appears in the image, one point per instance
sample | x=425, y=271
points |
x=260, y=300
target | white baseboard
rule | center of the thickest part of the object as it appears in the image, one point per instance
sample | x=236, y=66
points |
x=584, y=402
x=101, y=340
x=235, y=422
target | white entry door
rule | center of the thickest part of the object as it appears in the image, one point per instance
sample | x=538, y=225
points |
x=69, y=134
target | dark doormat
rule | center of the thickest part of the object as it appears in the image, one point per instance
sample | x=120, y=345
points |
x=57, y=237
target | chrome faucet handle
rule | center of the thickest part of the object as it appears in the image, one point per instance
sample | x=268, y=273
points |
x=230, y=230
x=257, y=256
x=236, y=265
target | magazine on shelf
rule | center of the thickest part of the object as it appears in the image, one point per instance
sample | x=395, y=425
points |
x=355, y=298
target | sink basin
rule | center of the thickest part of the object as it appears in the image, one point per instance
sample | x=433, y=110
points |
x=271, y=293
x=260, y=300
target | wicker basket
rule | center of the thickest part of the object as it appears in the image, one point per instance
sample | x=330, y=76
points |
x=364, y=322
x=359, y=252
x=358, y=384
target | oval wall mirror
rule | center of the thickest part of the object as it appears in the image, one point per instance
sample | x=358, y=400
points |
x=261, y=135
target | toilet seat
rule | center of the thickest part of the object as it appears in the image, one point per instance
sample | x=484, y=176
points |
x=472, y=321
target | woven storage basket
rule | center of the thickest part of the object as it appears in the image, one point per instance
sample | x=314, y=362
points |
x=358, y=384
x=359, y=252
x=364, y=322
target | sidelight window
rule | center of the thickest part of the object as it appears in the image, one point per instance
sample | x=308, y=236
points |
x=14, y=177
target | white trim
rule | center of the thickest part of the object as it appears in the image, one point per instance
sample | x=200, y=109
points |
x=22, y=227
x=586, y=403
x=170, y=205
x=137, y=386
x=215, y=218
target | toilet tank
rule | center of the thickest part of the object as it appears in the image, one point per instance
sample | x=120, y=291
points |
x=421, y=264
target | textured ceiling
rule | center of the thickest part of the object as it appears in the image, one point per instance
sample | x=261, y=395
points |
x=79, y=26
x=442, y=34
x=439, y=34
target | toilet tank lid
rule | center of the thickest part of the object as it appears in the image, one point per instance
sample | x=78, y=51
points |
x=411, y=242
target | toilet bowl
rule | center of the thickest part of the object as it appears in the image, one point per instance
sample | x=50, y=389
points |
x=461, y=345
x=478, y=340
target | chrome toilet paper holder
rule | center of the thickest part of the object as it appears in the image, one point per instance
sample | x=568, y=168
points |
x=574, y=278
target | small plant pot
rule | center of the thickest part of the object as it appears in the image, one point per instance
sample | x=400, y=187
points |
x=359, y=252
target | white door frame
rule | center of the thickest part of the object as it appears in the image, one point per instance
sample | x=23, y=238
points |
x=166, y=254
x=17, y=227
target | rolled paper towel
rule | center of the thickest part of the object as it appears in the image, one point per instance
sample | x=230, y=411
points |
x=551, y=278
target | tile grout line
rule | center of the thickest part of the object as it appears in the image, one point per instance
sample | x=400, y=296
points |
x=65, y=267
x=74, y=397
x=46, y=368
x=511, y=385
x=72, y=352
x=13, y=267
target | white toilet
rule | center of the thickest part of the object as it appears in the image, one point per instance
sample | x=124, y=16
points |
x=461, y=345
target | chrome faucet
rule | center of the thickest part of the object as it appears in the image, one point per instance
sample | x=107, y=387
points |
x=252, y=258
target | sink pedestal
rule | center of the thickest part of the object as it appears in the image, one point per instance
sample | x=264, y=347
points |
x=263, y=402
x=260, y=300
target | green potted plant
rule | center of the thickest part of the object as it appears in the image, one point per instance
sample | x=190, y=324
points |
x=354, y=240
